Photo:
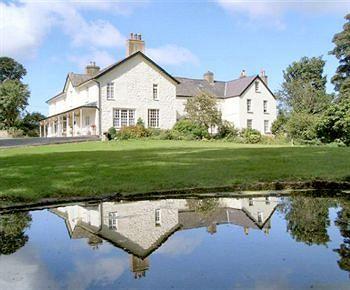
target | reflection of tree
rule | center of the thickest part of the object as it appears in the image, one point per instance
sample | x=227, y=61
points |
x=12, y=235
x=307, y=219
x=343, y=222
x=203, y=206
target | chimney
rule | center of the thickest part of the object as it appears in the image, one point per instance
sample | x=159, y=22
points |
x=209, y=77
x=92, y=69
x=134, y=44
x=243, y=74
x=263, y=76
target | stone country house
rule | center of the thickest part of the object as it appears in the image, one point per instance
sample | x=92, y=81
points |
x=137, y=87
x=142, y=227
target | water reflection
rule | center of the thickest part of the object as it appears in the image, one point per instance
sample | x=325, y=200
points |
x=12, y=236
x=142, y=227
x=293, y=242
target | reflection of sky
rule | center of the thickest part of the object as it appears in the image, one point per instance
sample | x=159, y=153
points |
x=191, y=259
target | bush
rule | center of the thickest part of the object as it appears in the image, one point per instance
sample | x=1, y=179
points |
x=15, y=132
x=251, y=136
x=188, y=128
x=302, y=126
x=140, y=122
x=112, y=133
x=133, y=132
x=227, y=130
x=278, y=126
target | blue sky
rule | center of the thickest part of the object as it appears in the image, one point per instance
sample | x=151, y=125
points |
x=187, y=38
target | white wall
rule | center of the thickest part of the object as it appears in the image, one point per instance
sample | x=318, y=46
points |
x=74, y=97
x=133, y=89
x=258, y=116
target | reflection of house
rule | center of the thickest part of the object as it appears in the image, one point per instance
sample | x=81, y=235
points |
x=141, y=227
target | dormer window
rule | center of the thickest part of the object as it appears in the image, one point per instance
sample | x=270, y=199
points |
x=257, y=86
x=155, y=92
x=110, y=91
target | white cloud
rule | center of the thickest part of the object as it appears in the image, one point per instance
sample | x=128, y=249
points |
x=178, y=246
x=102, y=272
x=172, y=55
x=101, y=57
x=271, y=13
x=25, y=25
x=26, y=271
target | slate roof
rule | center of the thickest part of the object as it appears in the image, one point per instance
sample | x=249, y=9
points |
x=220, y=89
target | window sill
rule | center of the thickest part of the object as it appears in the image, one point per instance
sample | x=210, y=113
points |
x=110, y=99
x=265, y=113
x=250, y=112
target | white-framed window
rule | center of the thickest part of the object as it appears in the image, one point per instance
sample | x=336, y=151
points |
x=153, y=118
x=249, y=123
x=110, y=91
x=260, y=217
x=257, y=86
x=123, y=117
x=249, y=105
x=266, y=126
x=155, y=92
x=157, y=217
x=113, y=220
x=87, y=120
x=265, y=106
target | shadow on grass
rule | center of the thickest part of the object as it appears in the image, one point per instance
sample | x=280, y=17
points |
x=138, y=170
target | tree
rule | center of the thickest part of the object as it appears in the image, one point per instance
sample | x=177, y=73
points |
x=304, y=86
x=307, y=219
x=11, y=69
x=13, y=100
x=12, y=227
x=341, y=51
x=334, y=125
x=202, y=109
x=278, y=127
x=302, y=126
x=30, y=124
x=342, y=222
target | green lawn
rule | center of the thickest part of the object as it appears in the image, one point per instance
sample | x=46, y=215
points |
x=93, y=168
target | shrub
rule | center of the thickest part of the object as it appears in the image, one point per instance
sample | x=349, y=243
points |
x=112, y=133
x=227, y=130
x=189, y=128
x=251, y=136
x=140, y=122
x=15, y=132
x=302, y=126
x=278, y=126
x=133, y=132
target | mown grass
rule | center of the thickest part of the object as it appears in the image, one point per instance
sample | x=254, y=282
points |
x=93, y=168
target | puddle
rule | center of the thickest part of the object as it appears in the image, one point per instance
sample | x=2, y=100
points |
x=266, y=242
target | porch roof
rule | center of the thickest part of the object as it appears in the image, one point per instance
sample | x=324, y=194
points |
x=90, y=105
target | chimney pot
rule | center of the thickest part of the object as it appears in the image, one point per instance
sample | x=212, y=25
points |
x=92, y=69
x=243, y=74
x=263, y=76
x=134, y=44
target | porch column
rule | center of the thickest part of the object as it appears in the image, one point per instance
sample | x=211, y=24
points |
x=81, y=121
x=73, y=125
x=67, y=124
x=39, y=129
x=58, y=126
x=45, y=129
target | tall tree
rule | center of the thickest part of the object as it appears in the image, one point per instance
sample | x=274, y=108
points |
x=341, y=51
x=202, y=109
x=13, y=100
x=11, y=69
x=304, y=86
